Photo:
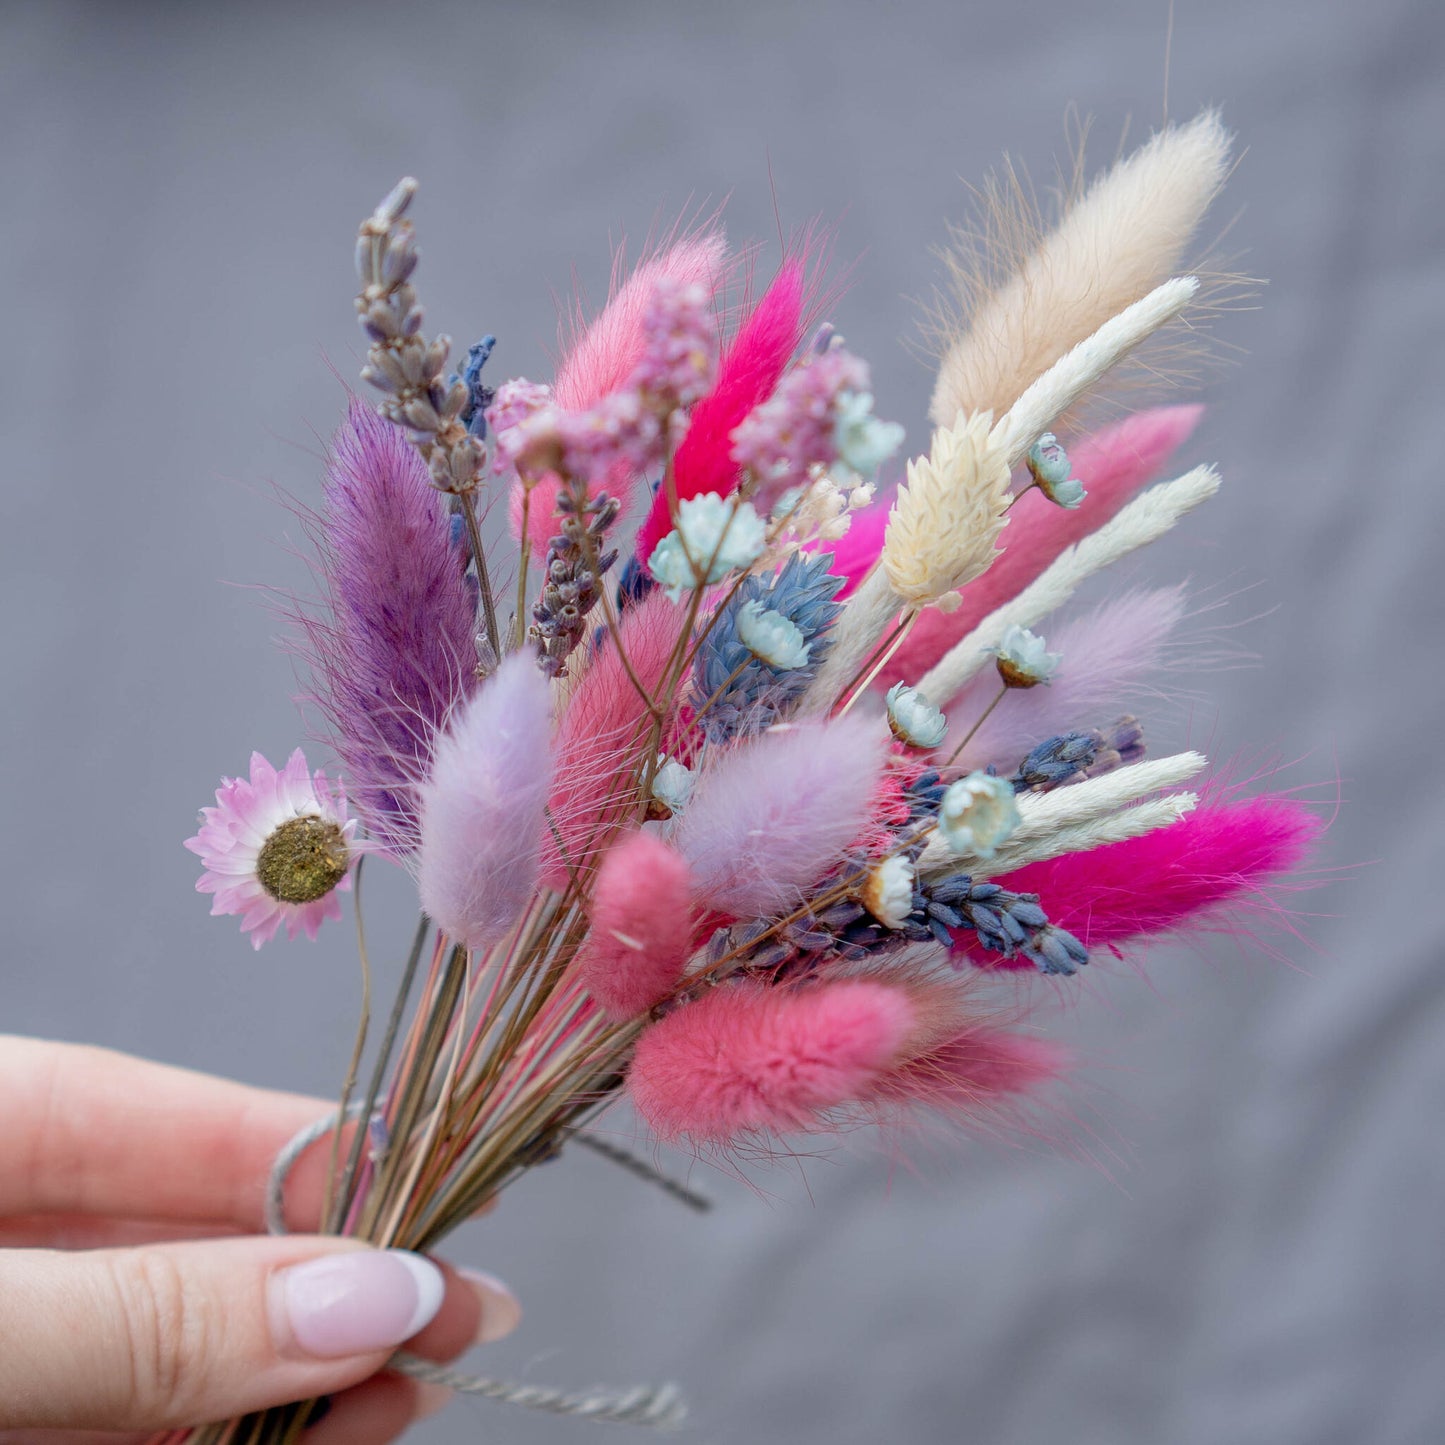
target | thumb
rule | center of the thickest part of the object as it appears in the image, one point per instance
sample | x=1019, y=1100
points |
x=182, y=1334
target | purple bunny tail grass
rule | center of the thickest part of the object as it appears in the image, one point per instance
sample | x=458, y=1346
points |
x=1108, y=654
x=391, y=652
x=482, y=807
x=771, y=816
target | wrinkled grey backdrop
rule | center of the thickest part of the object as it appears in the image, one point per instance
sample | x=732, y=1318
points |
x=1251, y=1250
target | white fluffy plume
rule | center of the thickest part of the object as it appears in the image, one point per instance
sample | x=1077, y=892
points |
x=1148, y=517
x=1114, y=244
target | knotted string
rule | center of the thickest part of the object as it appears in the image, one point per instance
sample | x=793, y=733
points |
x=661, y=1406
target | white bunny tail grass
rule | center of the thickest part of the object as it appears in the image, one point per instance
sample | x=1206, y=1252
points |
x=1148, y=517
x=1133, y=822
x=1073, y=374
x=971, y=489
x=1026, y=295
x=1047, y=816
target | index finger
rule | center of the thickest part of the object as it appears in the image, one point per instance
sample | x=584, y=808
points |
x=88, y=1131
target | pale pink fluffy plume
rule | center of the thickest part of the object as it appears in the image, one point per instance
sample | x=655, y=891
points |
x=751, y=366
x=746, y=1058
x=1222, y=857
x=603, y=735
x=482, y=806
x=1113, y=464
x=965, y=1075
x=1106, y=652
x=770, y=816
x=604, y=355
x=641, y=933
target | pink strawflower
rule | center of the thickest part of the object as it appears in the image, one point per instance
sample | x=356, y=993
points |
x=278, y=847
x=641, y=927
x=745, y=1058
x=794, y=429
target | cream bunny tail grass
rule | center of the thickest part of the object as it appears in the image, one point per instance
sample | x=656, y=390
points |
x=1144, y=520
x=1073, y=374
x=942, y=529
x=1116, y=242
x=1044, y=815
x=958, y=477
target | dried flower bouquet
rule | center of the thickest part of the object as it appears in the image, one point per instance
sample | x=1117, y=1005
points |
x=738, y=790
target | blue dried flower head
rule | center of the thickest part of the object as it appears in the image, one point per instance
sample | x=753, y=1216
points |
x=750, y=693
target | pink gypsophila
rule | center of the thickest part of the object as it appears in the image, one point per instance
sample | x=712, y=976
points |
x=679, y=359
x=791, y=431
x=273, y=835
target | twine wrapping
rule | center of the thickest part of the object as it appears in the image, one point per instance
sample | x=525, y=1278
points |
x=659, y=1406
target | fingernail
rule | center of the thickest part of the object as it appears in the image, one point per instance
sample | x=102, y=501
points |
x=501, y=1310
x=354, y=1303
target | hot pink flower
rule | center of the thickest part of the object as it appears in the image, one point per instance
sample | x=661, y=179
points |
x=277, y=849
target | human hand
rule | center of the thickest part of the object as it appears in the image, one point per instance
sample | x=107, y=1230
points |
x=136, y=1293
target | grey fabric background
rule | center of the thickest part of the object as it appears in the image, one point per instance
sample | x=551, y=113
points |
x=1244, y=1242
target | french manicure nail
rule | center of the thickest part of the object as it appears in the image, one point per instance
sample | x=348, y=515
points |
x=355, y=1303
x=501, y=1310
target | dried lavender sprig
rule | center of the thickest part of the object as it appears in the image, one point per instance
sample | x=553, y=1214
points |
x=409, y=371
x=1007, y=923
x=1080, y=755
x=575, y=567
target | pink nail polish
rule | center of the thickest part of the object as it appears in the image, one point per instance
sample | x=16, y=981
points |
x=355, y=1303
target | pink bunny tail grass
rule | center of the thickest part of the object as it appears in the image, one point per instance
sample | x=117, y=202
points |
x=771, y=816
x=750, y=368
x=966, y=1075
x=602, y=356
x=641, y=927
x=482, y=807
x=389, y=650
x=1113, y=464
x=1224, y=855
x=748, y=1058
x=603, y=738
x=855, y=552
x=1107, y=653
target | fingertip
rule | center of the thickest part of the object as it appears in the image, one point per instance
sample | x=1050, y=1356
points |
x=501, y=1310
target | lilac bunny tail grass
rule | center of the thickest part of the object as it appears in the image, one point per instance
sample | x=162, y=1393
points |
x=1109, y=654
x=482, y=807
x=770, y=817
x=391, y=653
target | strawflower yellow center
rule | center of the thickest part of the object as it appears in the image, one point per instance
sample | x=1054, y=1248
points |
x=302, y=860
